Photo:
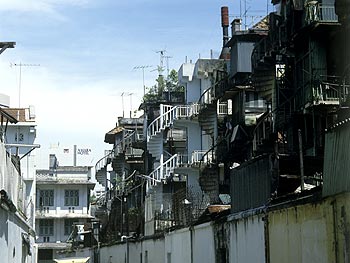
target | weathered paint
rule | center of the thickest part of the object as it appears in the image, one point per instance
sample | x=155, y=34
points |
x=203, y=247
x=247, y=241
x=306, y=233
x=178, y=246
x=302, y=234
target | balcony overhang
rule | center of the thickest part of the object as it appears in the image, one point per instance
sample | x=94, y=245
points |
x=40, y=215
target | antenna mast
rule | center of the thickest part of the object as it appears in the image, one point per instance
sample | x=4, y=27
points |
x=20, y=65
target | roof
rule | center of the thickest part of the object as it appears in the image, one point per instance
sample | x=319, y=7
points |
x=72, y=260
x=8, y=116
x=21, y=114
x=109, y=137
x=61, y=245
x=262, y=24
x=39, y=215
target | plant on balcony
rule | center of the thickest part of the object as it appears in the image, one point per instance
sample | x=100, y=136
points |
x=163, y=86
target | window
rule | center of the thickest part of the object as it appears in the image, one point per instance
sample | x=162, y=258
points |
x=71, y=197
x=46, y=198
x=68, y=226
x=46, y=227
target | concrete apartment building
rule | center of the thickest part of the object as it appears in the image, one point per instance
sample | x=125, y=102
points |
x=62, y=202
x=17, y=184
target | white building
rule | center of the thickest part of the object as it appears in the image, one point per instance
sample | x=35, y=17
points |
x=192, y=130
x=17, y=236
x=20, y=141
x=63, y=195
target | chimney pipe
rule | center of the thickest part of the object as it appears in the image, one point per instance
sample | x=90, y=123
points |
x=224, y=24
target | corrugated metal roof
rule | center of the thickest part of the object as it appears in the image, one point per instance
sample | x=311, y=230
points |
x=21, y=114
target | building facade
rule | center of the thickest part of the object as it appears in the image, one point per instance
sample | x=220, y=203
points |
x=62, y=210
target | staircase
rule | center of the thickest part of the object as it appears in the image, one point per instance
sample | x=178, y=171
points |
x=101, y=168
x=116, y=156
x=162, y=172
x=156, y=128
x=208, y=111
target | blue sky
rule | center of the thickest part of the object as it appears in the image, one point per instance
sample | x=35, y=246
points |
x=87, y=50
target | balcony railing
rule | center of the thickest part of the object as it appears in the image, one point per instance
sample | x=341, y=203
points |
x=187, y=111
x=328, y=91
x=320, y=13
x=222, y=109
x=202, y=156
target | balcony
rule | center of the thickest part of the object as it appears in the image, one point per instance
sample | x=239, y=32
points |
x=328, y=91
x=196, y=159
x=320, y=13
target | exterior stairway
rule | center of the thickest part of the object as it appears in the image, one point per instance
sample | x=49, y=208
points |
x=162, y=172
x=101, y=168
x=156, y=128
x=169, y=114
x=112, y=156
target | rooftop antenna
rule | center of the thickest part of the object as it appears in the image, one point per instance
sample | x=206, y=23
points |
x=143, y=76
x=161, y=67
x=167, y=65
x=20, y=65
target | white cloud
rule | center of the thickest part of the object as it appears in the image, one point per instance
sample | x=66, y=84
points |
x=39, y=5
x=48, y=7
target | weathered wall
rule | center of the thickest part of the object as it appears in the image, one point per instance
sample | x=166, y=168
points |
x=203, y=246
x=11, y=243
x=305, y=233
x=178, y=246
x=311, y=232
x=247, y=240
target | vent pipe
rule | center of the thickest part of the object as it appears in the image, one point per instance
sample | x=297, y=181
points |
x=224, y=24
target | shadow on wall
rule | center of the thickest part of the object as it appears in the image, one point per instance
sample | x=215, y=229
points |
x=4, y=226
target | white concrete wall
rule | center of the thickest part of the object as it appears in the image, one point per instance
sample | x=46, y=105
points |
x=151, y=251
x=247, y=241
x=203, y=243
x=178, y=246
x=11, y=244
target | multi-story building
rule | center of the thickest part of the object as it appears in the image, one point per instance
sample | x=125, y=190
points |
x=62, y=207
x=17, y=239
x=268, y=123
x=20, y=141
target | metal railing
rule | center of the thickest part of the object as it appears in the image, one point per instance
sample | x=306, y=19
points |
x=164, y=120
x=222, y=109
x=320, y=13
x=163, y=171
x=202, y=156
x=187, y=111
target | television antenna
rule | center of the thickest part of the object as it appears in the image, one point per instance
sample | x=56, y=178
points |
x=143, y=75
x=20, y=65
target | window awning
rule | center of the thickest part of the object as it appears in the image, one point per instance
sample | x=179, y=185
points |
x=72, y=260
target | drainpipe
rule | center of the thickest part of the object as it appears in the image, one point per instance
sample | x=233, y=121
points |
x=301, y=159
x=191, y=237
x=75, y=156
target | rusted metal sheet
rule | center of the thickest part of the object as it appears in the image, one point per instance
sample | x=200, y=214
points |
x=336, y=163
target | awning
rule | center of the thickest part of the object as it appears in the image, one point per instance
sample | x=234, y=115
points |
x=72, y=260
